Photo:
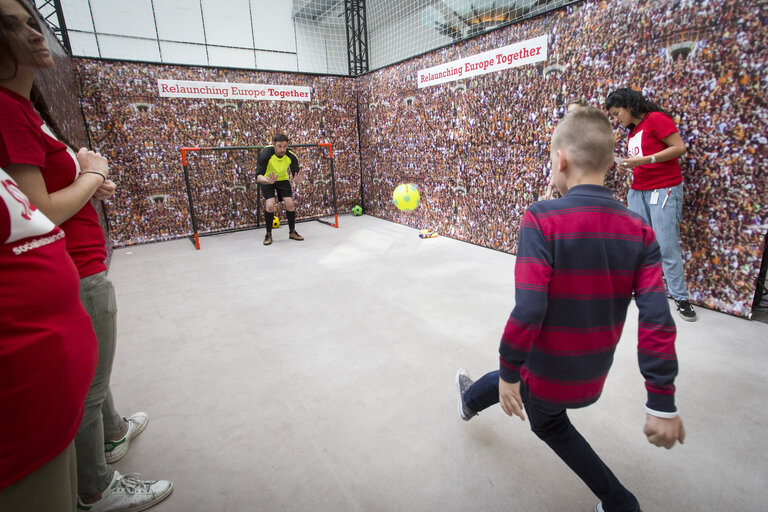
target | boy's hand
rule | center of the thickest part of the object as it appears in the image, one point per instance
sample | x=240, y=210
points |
x=510, y=400
x=664, y=431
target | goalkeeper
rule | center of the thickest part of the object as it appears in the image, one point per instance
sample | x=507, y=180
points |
x=274, y=182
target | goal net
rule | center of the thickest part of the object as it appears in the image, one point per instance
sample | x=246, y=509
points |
x=223, y=195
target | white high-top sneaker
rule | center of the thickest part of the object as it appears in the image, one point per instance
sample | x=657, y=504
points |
x=128, y=493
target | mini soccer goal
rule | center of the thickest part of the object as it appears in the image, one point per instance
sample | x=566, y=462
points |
x=224, y=197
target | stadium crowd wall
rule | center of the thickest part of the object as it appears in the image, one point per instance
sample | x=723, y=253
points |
x=477, y=148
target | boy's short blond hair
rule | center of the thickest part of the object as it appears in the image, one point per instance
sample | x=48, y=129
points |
x=577, y=101
x=587, y=136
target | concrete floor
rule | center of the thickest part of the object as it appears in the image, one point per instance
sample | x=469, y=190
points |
x=318, y=376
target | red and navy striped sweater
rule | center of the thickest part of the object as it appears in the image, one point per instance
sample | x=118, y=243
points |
x=579, y=259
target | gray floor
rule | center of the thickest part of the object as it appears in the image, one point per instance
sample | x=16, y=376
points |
x=318, y=376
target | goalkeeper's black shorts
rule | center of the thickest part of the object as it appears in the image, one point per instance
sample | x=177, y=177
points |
x=281, y=188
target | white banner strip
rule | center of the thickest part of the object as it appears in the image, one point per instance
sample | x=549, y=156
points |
x=231, y=91
x=513, y=55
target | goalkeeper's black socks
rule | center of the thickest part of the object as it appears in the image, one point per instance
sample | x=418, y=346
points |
x=291, y=220
x=268, y=218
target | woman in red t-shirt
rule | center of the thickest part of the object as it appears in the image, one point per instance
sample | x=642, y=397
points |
x=654, y=146
x=61, y=185
x=47, y=358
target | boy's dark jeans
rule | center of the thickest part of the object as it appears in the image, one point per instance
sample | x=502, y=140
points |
x=554, y=428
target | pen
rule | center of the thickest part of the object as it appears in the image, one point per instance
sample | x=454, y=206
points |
x=669, y=191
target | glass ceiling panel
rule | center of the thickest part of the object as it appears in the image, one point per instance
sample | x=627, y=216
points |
x=227, y=23
x=273, y=31
x=118, y=17
x=179, y=21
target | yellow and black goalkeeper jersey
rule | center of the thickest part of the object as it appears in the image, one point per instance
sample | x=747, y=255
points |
x=269, y=163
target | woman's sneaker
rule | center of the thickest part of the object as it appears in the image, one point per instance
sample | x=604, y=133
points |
x=116, y=450
x=128, y=493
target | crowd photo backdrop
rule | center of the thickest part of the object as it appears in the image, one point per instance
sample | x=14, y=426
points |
x=478, y=148
x=141, y=133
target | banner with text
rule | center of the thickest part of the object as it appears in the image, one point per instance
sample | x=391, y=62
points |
x=511, y=56
x=230, y=91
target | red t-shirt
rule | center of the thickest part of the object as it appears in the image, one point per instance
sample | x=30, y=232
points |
x=645, y=139
x=47, y=346
x=24, y=139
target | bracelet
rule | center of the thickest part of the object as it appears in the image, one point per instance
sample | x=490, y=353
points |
x=103, y=178
x=660, y=414
x=653, y=159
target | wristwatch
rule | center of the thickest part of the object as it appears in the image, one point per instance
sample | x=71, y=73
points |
x=653, y=159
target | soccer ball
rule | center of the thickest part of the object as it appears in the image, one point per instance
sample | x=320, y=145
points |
x=406, y=197
x=357, y=210
x=275, y=222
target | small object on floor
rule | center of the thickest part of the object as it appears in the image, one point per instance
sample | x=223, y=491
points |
x=427, y=233
x=268, y=239
x=128, y=493
x=116, y=450
x=463, y=383
x=685, y=310
x=275, y=222
x=357, y=210
x=295, y=236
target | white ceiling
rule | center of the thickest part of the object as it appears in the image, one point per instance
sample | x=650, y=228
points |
x=278, y=35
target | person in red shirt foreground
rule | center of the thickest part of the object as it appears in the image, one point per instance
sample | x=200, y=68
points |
x=572, y=293
x=47, y=359
x=654, y=146
x=61, y=185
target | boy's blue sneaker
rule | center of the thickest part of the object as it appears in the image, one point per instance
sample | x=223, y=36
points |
x=463, y=382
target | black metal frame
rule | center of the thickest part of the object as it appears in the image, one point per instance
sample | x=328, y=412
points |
x=760, y=302
x=195, y=237
x=357, y=36
x=60, y=27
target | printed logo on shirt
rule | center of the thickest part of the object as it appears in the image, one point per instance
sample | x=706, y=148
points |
x=633, y=145
x=26, y=221
x=38, y=242
x=27, y=208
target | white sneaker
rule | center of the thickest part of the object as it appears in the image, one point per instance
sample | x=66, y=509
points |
x=128, y=493
x=116, y=450
x=599, y=506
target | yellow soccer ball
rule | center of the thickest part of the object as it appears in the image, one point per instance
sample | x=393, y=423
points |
x=406, y=197
x=275, y=222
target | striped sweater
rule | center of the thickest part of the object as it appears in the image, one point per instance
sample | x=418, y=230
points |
x=579, y=259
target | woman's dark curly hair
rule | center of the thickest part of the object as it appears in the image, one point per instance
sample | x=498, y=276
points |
x=634, y=101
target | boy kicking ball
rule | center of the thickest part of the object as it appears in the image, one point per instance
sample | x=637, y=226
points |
x=579, y=259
